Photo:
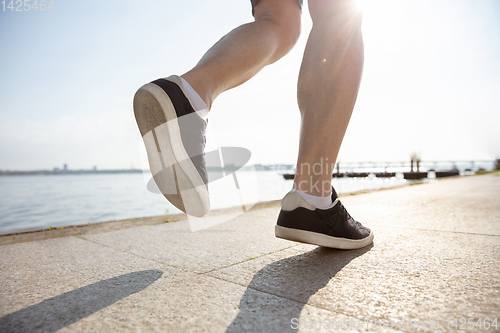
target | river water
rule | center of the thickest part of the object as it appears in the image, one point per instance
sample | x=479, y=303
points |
x=30, y=202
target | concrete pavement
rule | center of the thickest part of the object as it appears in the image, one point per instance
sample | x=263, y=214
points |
x=436, y=258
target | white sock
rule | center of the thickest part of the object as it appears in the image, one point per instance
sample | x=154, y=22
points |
x=320, y=202
x=196, y=101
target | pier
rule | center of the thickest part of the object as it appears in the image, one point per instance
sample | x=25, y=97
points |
x=431, y=169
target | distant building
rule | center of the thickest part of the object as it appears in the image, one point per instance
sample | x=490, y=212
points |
x=65, y=167
x=95, y=167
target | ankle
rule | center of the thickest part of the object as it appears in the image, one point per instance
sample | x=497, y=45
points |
x=316, y=201
x=316, y=186
x=200, y=89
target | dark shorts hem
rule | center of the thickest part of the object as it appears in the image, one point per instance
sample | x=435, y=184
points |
x=255, y=2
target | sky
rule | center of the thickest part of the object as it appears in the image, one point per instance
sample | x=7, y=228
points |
x=431, y=82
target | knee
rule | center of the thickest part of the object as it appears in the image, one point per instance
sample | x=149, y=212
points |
x=284, y=16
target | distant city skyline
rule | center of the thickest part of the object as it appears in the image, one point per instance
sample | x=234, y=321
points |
x=429, y=86
x=469, y=165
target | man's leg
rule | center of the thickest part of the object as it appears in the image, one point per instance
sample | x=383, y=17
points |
x=327, y=89
x=328, y=85
x=243, y=52
x=171, y=112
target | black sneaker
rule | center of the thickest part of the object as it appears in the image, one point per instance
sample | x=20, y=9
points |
x=330, y=227
x=174, y=135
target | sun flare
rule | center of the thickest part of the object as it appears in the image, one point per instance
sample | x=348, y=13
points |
x=362, y=4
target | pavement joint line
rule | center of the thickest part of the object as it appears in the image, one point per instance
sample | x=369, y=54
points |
x=404, y=212
x=279, y=296
x=132, y=254
x=243, y=261
x=446, y=231
x=180, y=268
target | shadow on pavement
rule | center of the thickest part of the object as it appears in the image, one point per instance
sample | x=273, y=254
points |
x=293, y=280
x=63, y=310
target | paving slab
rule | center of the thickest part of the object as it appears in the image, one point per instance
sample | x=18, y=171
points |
x=242, y=238
x=49, y=284
x=437, y=276
x=198, y=303
x=465, y=204
x=435, y=257
x=72, y=284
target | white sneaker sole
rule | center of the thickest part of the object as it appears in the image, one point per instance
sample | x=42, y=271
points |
x=315, y=238
x=170, y=164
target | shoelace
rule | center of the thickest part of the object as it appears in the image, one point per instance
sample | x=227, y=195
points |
x=358, y=224
x=345, y=211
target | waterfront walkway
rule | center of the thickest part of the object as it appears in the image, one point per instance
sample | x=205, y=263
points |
x=436, y=257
